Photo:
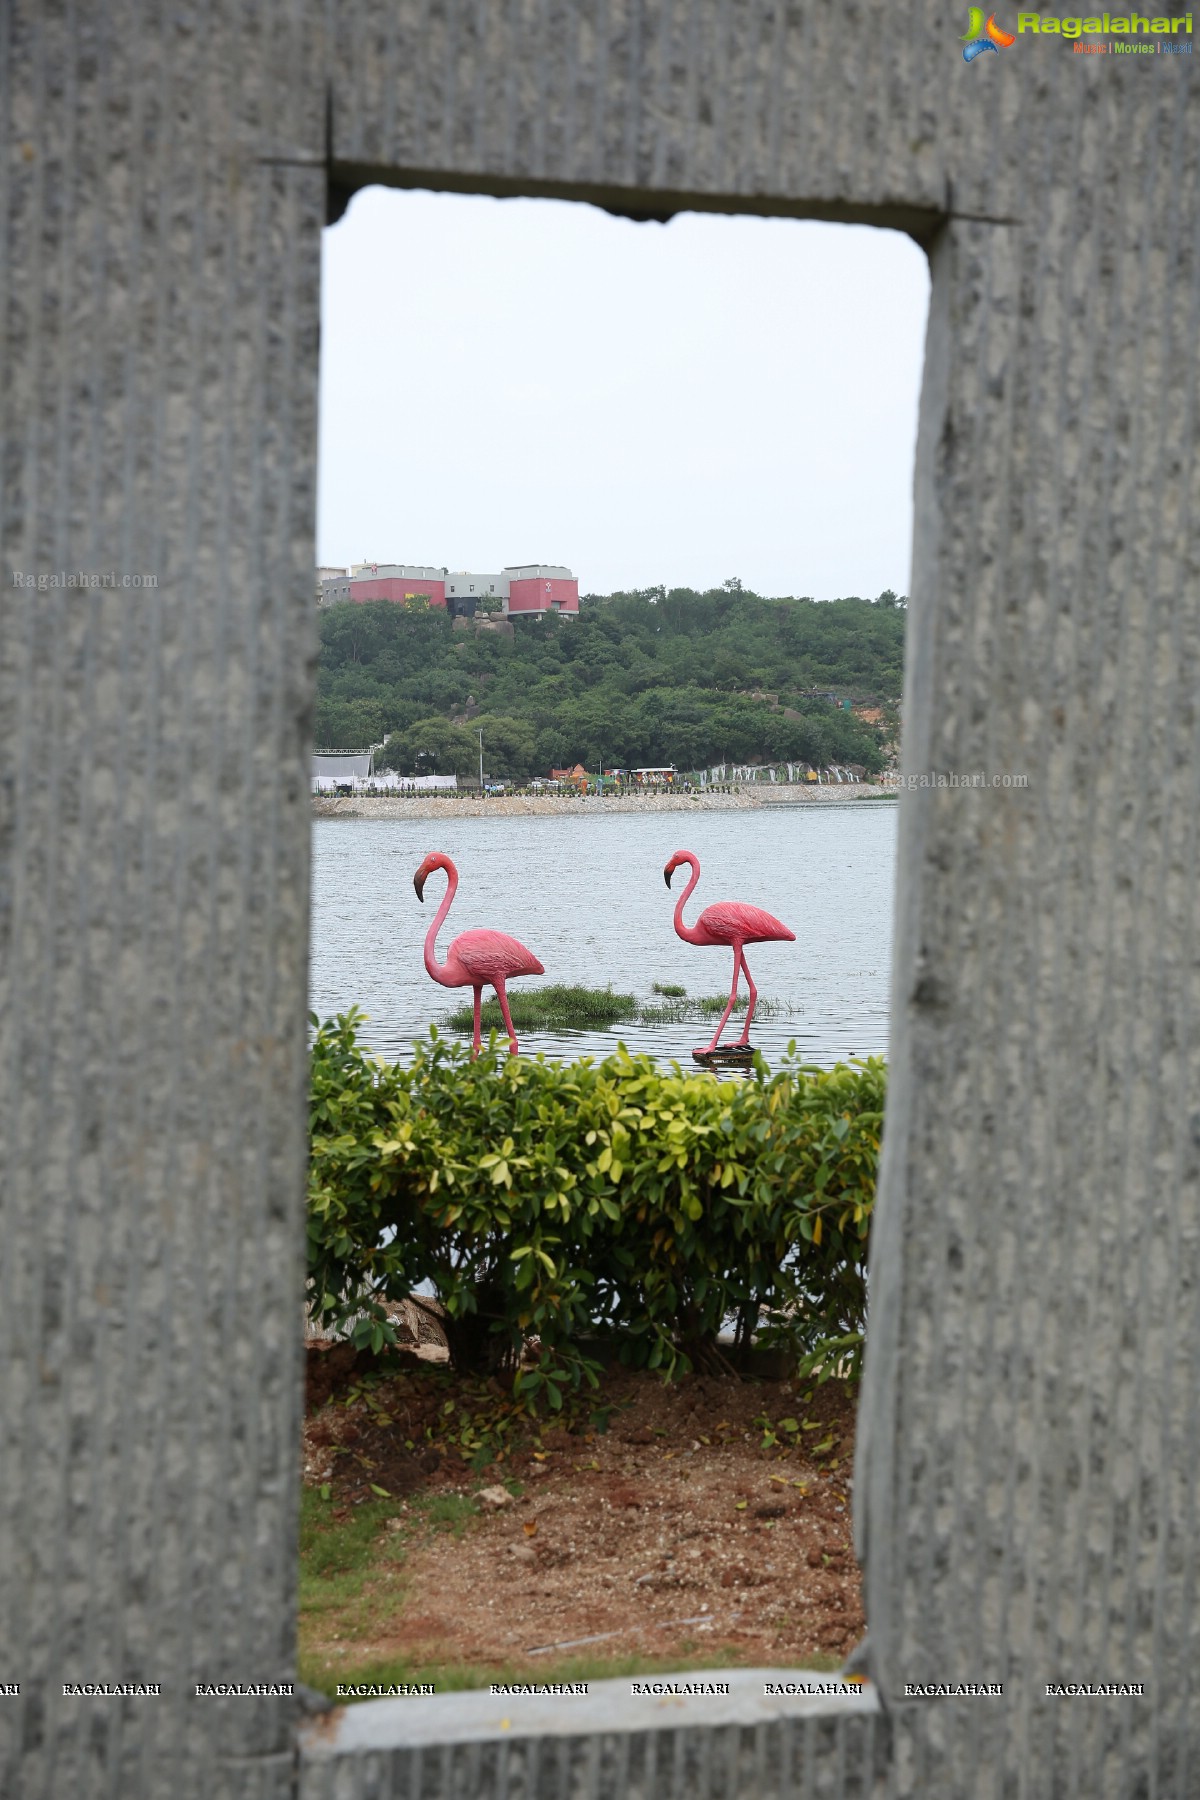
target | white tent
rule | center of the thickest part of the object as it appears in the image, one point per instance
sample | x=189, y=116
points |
x=354, y=767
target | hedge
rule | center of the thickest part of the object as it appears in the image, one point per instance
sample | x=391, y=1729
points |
x=569, y=1201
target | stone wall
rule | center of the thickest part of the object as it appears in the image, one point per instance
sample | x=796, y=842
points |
x=1027, y=1483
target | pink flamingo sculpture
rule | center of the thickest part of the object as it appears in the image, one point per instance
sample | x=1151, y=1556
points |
x=476, y=959
x=730, y=922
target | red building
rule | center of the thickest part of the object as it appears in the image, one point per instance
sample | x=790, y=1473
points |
x=525, y=589
x=399, y=587
x=535, y=588
x=386, y=581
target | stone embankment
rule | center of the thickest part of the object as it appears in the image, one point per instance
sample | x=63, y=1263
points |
x=474, y=806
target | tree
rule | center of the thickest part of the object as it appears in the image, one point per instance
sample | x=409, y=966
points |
x=638, y=678
x=348, y=725
x=432, y=747
x=508, y=747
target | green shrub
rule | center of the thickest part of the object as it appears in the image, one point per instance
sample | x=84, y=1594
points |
x=565, y=1200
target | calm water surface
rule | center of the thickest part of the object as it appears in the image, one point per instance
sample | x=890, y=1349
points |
x=586, y=894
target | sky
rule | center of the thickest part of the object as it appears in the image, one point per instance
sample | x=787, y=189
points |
x=507, y=381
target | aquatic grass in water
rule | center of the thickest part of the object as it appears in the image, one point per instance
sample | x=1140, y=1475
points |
x=554, y=1008
x=709, y=1006
x=563, y=1008
x=678, y=1012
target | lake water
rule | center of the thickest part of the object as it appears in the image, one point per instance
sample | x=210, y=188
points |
x=586, y=894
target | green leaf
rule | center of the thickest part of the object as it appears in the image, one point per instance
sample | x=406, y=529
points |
x=701, y=1201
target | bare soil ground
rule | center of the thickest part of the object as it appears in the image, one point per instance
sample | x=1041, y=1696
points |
x=708, y=1519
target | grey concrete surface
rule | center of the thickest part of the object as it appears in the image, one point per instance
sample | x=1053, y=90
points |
x=159, y=363
x=610, y=1705
x=1026, y=1494
x=608, y=1744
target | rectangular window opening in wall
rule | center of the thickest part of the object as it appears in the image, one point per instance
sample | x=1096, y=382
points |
x=701, y=435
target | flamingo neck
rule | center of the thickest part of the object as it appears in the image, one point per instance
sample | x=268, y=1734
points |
x=433, y=966
x=688, y=933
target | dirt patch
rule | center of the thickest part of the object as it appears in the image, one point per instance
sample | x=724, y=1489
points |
x=710, y=1516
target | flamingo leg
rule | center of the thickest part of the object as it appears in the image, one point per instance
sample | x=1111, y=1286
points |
x=502, y=997
x=745, y=1037
x=478, y=1022
x=737, y=963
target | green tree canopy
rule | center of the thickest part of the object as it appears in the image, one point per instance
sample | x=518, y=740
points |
x=644, y=678
x=432, y=746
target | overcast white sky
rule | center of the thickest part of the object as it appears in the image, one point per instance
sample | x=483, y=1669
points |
x=528, y=380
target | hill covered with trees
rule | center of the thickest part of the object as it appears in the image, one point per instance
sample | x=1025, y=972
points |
x=647, y=678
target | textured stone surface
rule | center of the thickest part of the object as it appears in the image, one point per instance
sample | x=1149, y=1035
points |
x=745, y=105
x=1027, y=1481
x=1027, y=1500
x=607, y=1745
x=159, y=372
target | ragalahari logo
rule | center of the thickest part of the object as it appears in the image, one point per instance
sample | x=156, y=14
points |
x=984, y=37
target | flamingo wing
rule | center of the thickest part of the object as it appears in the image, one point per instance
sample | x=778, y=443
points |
x=486, y=955
x=736, y=922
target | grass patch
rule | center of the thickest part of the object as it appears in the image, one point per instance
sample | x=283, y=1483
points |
x=351, y=1569
x=554, y=1008
x=337, y=1557
x=703, y=1006
x=562, y=1008
x=446, y=1512
x=669, y=1012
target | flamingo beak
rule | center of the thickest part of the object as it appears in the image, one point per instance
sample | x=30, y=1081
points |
x=419, y=882
x=669, y=871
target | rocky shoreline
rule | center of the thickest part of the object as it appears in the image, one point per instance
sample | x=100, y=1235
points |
x=475, y=806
